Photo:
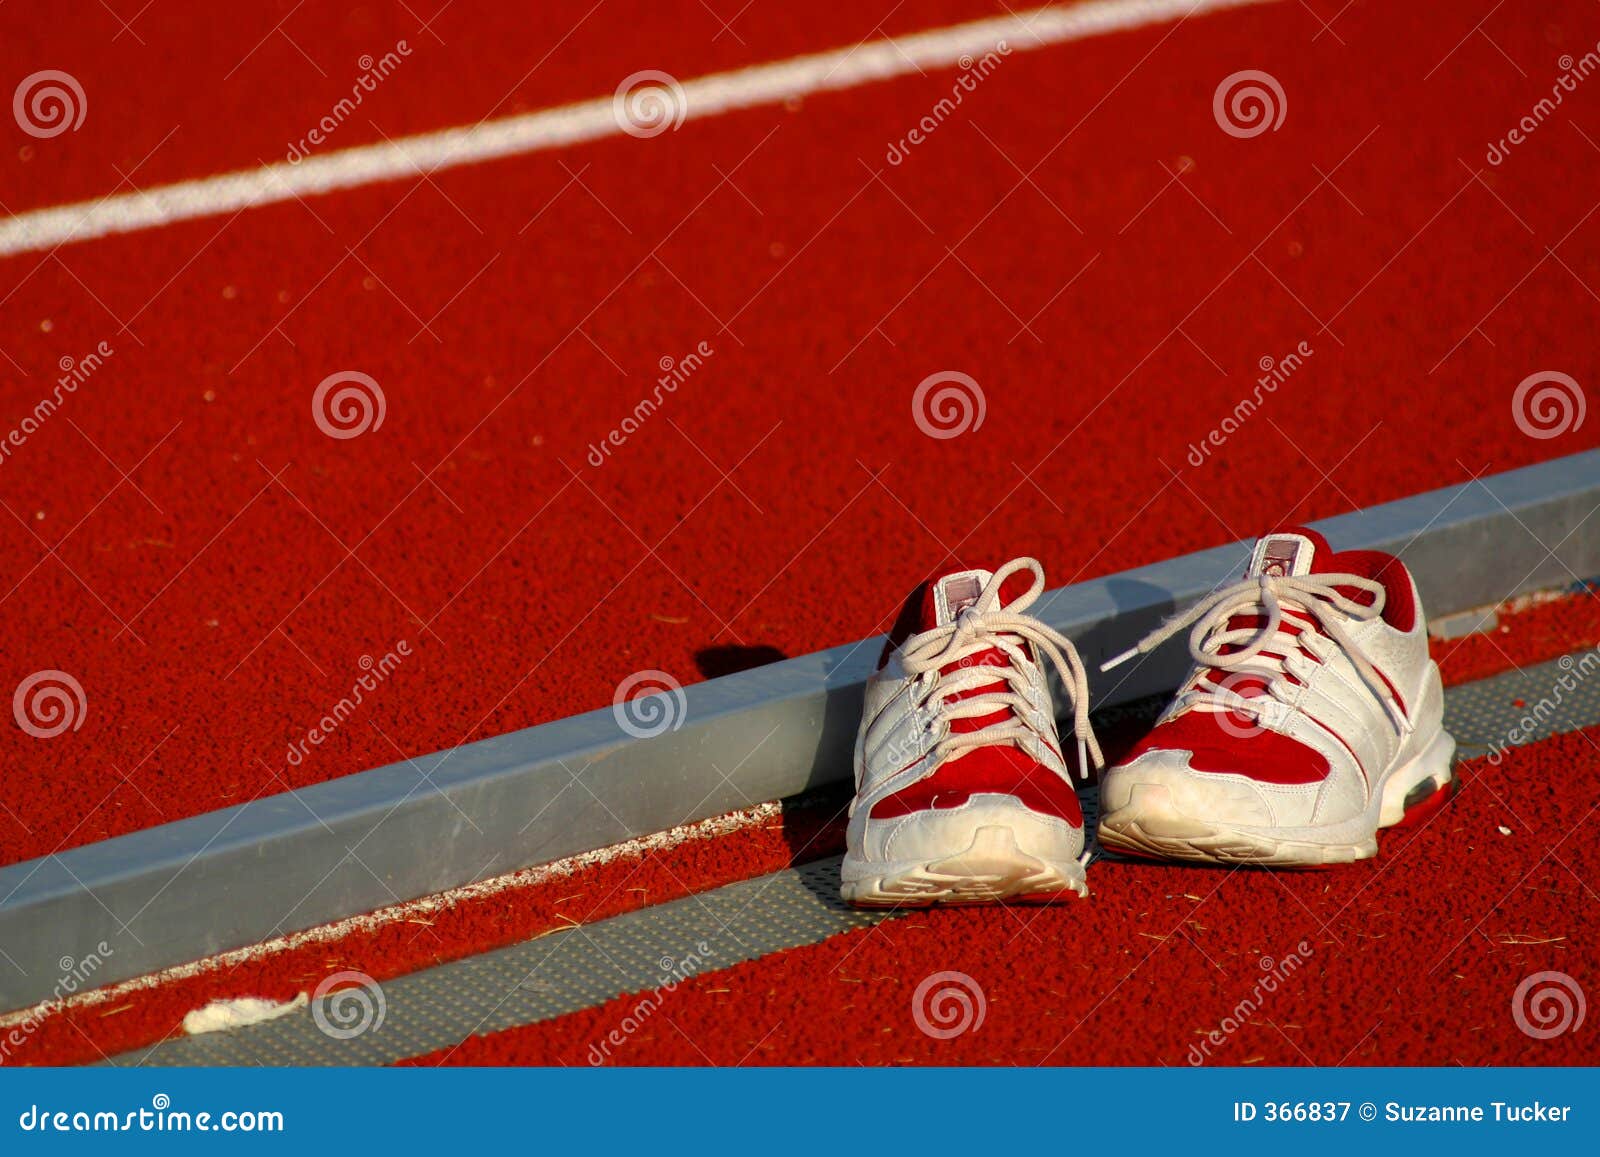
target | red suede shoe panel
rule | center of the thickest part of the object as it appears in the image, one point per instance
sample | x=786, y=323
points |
x=1266, y=756
x=1002, y=770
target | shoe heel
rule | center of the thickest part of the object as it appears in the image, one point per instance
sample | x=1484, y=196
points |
x=1419, y=789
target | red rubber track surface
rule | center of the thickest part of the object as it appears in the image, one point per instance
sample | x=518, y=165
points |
x=806, y=830
x=217, y=601
x=187, y=90
x=1412, y=958
x=1527, y=631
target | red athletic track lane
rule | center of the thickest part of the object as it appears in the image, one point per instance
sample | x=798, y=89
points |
x=186, y=90
x=805, y=831
x=217, y=603
x=1412, y=958
x=1529, y=630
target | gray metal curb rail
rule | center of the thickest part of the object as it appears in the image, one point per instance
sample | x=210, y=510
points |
x=230, y=878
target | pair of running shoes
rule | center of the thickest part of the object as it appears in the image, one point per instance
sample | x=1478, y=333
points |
x=1310, y=720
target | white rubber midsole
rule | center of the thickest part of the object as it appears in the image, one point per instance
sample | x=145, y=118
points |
x=991, y=848
x=886, y=847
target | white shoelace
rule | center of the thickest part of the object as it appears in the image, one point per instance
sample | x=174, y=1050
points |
x=1318, y=595
x=987, y=626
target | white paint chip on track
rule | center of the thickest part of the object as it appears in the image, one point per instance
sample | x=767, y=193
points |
x=222, y=1015
x=763, y=84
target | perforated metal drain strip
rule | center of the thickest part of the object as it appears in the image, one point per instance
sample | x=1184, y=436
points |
x=1522, y=707
x=648, y=952
x=651, y=951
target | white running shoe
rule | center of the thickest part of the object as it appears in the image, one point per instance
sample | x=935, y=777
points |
x=1311, y=719
x=962, y=794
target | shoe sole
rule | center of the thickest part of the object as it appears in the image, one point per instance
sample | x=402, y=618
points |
x=991, y=869
x=1408, y=795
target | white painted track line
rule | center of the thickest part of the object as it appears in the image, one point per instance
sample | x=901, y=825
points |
x=588, y=120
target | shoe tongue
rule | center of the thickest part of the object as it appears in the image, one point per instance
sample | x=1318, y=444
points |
x=950, y=594
x=1283, y=555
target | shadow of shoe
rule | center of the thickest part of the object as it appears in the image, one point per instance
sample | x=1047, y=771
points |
x=730, y=659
